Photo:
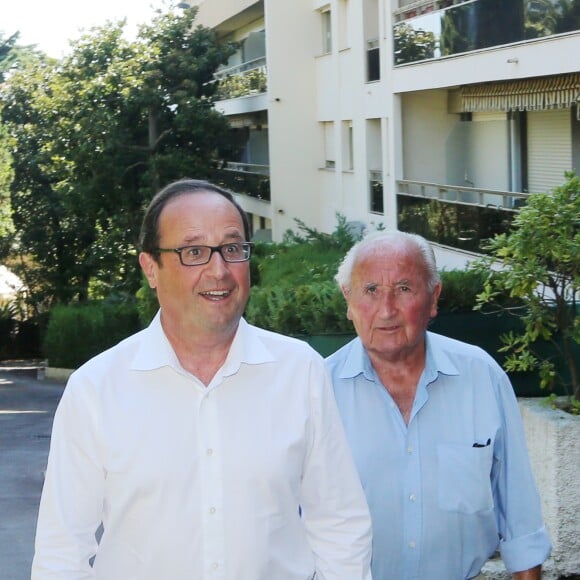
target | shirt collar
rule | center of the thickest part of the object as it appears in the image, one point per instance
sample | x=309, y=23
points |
x=357, y=361
x=437, y=360
x=155, y=350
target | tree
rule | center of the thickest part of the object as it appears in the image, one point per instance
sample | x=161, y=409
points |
x=6, y=225
x=93, y=137
x=540, y=265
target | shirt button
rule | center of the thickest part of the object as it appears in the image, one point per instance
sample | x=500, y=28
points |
x=212, y=510
x=411, y=544
x=412, y=497
x=409, y=450
x=209, y=451
x=215, y=566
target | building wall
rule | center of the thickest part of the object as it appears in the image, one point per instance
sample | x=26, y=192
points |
x=431, y=138
x=295, y=139
x=320, y=105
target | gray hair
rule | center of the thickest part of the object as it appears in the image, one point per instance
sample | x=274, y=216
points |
x=386, y=239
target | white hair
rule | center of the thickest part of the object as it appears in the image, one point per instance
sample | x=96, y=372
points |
x=386, y=239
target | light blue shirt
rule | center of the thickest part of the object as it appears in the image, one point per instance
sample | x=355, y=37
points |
x=454, y=485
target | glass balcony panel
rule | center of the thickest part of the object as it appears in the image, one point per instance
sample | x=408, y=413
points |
x=240, y=179
x=462, y=218
x=250, y=82
x=481, y=24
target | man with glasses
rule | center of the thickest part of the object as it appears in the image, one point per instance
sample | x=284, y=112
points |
x=205, y=447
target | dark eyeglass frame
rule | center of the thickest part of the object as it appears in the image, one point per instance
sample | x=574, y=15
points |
x=246, y=248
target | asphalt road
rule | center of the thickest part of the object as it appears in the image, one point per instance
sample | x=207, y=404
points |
x=27, y=408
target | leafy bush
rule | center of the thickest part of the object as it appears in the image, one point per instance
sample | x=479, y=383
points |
x=309, y=309
x=461, y=289
x=76, y=333
x=540, y=266
x=147, y=304
x=304, y=257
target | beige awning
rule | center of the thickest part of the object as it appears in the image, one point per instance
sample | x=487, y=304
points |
x=553, y=92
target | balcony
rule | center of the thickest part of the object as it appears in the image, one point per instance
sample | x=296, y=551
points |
x=248, y=78
x=245, y=178
x=463, y=218
x=437, y=28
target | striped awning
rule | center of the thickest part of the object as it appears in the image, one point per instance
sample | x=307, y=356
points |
x=553, y=92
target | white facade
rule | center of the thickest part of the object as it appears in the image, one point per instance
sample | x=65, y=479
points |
x=350, y=132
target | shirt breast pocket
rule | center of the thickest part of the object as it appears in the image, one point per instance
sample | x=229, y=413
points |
x=464, y=478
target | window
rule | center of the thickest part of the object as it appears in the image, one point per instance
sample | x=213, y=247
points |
x=326, y=32
x=329, y=148
x=347, y=146
x=373, y=61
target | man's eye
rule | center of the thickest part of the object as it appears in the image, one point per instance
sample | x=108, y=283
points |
x=371, y=289
x=233, y=248
x=193, y=251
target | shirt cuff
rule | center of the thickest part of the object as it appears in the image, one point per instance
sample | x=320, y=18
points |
x=526, y=552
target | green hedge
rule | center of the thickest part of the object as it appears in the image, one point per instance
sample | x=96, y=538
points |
x=76, y=333
x=319, y=308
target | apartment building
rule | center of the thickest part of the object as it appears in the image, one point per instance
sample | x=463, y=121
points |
x=434, y=116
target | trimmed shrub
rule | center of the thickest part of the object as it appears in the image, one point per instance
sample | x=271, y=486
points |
x=317, y=308
x=78, y=332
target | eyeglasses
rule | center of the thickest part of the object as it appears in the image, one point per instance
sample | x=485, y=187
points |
x=200, y=255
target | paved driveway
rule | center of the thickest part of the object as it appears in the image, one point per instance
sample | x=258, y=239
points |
x=26, y=411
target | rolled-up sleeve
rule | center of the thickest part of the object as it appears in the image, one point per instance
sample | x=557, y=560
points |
x=524, y=540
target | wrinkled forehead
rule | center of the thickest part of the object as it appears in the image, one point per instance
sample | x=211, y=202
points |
x=389, y=264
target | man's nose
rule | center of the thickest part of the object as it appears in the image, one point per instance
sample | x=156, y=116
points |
x=217, y=262
x=388, y=302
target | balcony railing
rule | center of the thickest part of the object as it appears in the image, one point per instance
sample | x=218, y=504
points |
x=460, y=217
x=245, y=178
x=439, y=31
x=245, y=79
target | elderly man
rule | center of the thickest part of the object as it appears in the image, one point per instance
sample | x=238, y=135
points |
x=434, y=426
x=206, y=448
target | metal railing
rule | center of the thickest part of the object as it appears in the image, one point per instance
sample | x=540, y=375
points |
x=241, y=68
x=249, y=167
x=473, y=196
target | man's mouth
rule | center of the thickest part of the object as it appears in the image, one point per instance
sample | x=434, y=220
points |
x=215, y=294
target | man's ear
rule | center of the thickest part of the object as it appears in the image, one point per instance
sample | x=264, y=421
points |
x=346, y=294
x=149, y=267
x=435, y=299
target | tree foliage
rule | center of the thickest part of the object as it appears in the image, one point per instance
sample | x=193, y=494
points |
x=94, y=135
x=411, y=45
x=540, y=264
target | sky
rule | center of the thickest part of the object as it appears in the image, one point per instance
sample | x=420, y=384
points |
x=50, y=24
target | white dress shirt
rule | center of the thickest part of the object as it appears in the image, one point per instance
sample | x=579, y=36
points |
x=249, y=478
